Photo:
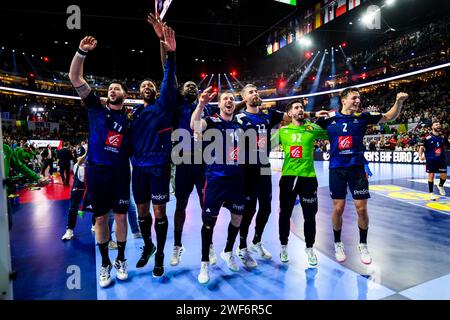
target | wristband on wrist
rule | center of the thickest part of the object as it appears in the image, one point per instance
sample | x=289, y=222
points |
x=82, y=52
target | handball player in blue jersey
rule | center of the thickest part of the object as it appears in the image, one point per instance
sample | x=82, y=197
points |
x=224, y=175
x=432, y=149
x=189, y=173
x=346, y=130
x=107, y=164
x=150, y=148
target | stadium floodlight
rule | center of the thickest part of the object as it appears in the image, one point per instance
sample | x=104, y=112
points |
x=390, y=2
x=367, y=18
x=305, y=41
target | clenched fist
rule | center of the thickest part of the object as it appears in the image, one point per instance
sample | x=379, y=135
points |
x=88, y=43
x=401, y=96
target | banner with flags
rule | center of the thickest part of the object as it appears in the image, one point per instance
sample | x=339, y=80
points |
x=291, y=32
x=283, y=38
x=328, y=10
x=308, y=21
x=318, y=16
x=352, y=4
x=341, y=7
x=275, y=43
x=298, y=30
x=269, y=45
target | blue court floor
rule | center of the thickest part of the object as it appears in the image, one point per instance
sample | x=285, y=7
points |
x=409, y=240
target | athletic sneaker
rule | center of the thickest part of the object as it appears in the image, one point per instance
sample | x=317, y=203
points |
x=212, y=255
x=112, y=245
x=203, y=276
x=122, y=269
x=433, y=197
x=158, y=269
x=176, y=255
x=339, y=251
x=364, y=253
x=284, y=256
x=246, y=258
x=68, y=235
x=229, y=260
x=137, y=235
x=260, y=250
x=441, y=190
x=146, y=254
x=312, y=258
x=105, y=276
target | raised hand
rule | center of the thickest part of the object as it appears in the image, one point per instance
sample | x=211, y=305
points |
x=88, y=43
x=169, y=39
x=206, y=97
x=157, y=24
x=401, y=97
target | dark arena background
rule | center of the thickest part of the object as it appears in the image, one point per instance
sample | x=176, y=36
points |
x=304, y=50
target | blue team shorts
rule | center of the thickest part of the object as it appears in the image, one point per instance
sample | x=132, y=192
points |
x=354, y=177
x=436, y=166
x=151, y=183
x=108, y=188
x=223, y=191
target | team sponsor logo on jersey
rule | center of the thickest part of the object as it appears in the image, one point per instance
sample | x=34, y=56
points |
x=437, y=152
x=239, y=208
x=296, y=152
x=345, y=142
x=357, y=114
x=310, y=200
x=360, y=192
x=309, y=128
x=261, y=142
x=114, y=139
x=215, y=119
x=233, y=154
x=126, y=202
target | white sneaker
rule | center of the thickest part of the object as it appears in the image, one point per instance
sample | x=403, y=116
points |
x=137, y=235
x=364, y=253
x=339, y=251
x=433, y=197
x=105, y=276
x=229, y=260
x=112, y=245
x=312, y=258
x=441, y=190
x=261, y=251
x=246, y=258
x=68, y=235
x=284, y=256
x=122, y=269
x=212, y=255
x=176, y=255
x=203, y=276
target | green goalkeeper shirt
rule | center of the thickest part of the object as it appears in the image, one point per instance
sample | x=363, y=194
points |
x=298, y=147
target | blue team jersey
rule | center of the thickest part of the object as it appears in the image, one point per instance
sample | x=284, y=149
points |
x=346, y=133
x=434, y=147
x=226, y=163
x=182, y=120
x=109, y=143
x=262, y=122
x=152, y=125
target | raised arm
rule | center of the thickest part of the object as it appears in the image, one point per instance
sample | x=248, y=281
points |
x=393, y=113
x=76, y=67
x=155, y=21
x=198, y=125
x=168, y=86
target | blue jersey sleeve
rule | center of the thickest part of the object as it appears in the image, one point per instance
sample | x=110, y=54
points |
x=168, y=94
x=322, y=122
x=275, y=116
x=372, y=117
x=92, y=100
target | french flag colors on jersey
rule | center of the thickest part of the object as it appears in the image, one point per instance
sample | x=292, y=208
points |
x=346, y=133
x=109, y=143
x=152, y=125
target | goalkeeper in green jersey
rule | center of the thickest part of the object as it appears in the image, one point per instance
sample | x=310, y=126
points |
x=299, y=177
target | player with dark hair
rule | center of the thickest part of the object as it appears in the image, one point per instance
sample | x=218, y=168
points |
x=298, y=178
x=224, y=176
x=432, y=149
x=346, y=130
x=151, y=148
x=107, y=169
x=190, y=173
